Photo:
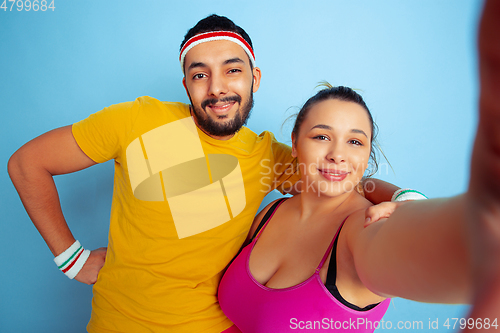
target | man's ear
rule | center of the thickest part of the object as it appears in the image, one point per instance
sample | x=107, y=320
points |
x=184, y=84
x=294, y=147
x=256, y=78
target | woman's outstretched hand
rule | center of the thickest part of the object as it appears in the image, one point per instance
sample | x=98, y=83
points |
x=484, y=187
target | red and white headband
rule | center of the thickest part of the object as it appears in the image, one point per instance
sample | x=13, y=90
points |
x=216, y=35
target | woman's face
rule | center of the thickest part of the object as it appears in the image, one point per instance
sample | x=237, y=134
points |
x=333, y=147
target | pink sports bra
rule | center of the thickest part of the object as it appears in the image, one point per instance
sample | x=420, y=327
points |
x=308, y=306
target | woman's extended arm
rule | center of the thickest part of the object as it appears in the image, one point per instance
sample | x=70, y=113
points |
x=419, y=253
x=447, y=250
x=484, y=224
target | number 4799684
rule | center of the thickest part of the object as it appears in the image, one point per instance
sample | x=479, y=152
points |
x=27, y=5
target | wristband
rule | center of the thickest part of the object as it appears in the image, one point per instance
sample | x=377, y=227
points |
x=71, y=261
x=407, y=194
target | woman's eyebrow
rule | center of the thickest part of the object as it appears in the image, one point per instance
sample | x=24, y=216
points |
x=322, y=126
x=327, y=127
x=354, y=130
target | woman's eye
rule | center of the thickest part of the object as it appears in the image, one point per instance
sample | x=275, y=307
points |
x=321, y=137
x=355, y=142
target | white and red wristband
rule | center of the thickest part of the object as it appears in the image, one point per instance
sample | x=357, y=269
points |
x=404, y=194
x=71, y=261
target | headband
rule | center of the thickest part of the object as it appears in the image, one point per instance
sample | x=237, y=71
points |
x=216, y=35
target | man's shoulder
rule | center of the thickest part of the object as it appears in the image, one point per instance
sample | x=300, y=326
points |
x=263, y=136
x=264, y=141
x=154, y=102
x=149, y=108
x=143, y=110
x=149, y=102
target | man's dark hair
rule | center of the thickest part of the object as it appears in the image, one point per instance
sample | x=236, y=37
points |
x=216, y=23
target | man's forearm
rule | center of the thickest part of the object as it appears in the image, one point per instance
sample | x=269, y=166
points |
x=31, y=169
x=39, y=196
x=378, y=191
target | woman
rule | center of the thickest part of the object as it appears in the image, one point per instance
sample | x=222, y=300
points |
x=287, y=266
x=314, y=266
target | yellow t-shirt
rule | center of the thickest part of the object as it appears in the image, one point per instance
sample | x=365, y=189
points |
x=182, y=206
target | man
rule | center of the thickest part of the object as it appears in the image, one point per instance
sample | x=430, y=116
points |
x=188, y=182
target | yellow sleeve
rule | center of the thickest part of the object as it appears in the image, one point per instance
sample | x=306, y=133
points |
x=102, y=134
x=286, y=171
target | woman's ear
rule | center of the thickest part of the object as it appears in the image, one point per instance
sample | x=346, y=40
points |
x=294, y=147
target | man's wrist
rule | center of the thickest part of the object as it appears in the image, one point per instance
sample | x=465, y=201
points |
x=71, y=261
x=407, y=194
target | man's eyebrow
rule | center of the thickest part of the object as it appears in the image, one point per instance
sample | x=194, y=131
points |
x=327, y=127
x=234, y=60
x=197, y=65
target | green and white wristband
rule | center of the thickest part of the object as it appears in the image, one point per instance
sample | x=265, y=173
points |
x=407, y=194
x=71, y=261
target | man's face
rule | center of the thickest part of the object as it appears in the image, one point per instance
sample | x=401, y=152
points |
x=220, y=85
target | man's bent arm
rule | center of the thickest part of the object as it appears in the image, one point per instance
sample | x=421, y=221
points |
x=378, y=191
x=31, y=169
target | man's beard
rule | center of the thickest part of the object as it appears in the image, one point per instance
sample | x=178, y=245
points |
x=214, y=128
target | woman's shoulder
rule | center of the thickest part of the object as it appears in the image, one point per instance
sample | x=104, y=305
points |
x=361, y=202
x=258, y=218
x=355, y=219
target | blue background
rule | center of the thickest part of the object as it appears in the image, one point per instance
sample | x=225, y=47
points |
x=414, y=62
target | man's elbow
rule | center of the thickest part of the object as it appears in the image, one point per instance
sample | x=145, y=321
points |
x=18, y=166
x=14, y=166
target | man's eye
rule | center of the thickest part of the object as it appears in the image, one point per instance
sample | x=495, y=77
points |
x=198, y=76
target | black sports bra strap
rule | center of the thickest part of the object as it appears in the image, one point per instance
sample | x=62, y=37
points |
x=331, y=279
x=331, y=275
x=267, y=216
